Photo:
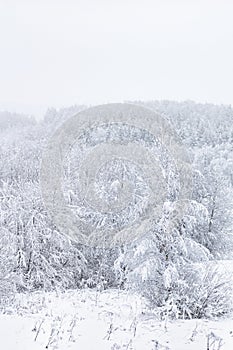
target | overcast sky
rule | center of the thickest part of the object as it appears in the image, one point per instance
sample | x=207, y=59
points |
x=63, y=52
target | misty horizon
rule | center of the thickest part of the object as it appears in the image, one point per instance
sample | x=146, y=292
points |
x=81, y=53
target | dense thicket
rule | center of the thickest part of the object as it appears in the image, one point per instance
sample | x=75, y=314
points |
x=164, y=266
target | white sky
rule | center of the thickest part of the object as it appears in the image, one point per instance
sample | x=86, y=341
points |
x=64, y=52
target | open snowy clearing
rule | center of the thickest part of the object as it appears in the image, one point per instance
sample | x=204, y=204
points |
x=90, y=320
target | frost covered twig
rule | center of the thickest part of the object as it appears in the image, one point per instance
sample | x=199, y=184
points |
x=38, y=329
x=109, y=332
x=134, y=326
x=72, y=325
x=194, y=333
x=158, y=346
x=214, y=342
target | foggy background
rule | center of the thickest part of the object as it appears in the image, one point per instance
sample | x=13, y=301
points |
x=63, y=52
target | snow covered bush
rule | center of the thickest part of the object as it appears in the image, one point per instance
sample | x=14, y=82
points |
x=200, y=291
x=171, y=267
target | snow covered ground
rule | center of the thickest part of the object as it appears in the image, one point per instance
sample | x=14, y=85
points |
x=90, y=320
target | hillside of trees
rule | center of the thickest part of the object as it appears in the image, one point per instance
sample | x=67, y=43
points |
x=171, y=271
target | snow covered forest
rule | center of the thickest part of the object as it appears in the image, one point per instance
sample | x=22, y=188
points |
x=178, y=276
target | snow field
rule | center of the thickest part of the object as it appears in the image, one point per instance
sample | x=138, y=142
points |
x=110, y=320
